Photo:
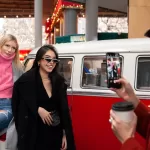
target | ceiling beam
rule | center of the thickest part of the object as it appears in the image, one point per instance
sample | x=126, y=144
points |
x=11, y=6
x=7, y=2
x=16, y=10
x=111, y=14
x=14, y=14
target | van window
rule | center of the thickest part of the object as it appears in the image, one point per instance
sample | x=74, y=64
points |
x=143, y=73
x=65, y=68
x=94, y=71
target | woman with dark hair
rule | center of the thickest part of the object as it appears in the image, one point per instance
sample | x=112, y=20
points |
x=40, y=107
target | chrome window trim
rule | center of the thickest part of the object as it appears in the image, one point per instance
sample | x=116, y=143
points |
x=136, y=71
x=96, y=87
x=73, y=60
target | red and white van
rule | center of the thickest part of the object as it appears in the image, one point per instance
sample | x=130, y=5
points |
x=83, y=65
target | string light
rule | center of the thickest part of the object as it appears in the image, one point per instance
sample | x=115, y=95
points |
x=57, y=29
x=58, y=19
x=47, y=28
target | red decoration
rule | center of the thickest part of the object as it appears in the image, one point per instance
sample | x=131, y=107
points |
x=47, y=25
x=23, y=53
x=3, y=137
x=73, y=4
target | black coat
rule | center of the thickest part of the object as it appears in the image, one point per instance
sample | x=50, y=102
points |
x=25, y=109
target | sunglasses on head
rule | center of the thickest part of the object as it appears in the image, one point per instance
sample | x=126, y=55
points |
x=51, y=60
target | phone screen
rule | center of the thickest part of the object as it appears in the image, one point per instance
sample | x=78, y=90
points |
x=113, y=69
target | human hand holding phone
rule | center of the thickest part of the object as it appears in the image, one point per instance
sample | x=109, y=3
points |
x=126, y=91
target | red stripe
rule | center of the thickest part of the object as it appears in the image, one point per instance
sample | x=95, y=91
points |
x=3, y=137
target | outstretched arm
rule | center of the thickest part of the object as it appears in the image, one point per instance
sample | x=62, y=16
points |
x=143, y=114
x=131, y=144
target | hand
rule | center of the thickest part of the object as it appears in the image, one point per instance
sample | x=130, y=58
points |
x=123, y=130
x=45, y=116
x=64, y=143
x=126, y=91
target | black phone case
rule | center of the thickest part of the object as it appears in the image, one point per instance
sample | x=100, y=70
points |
x=110, y=82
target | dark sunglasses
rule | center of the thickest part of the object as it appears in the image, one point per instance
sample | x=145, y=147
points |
x=51, y=60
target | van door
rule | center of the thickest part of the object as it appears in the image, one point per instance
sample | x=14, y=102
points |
x=92, y=101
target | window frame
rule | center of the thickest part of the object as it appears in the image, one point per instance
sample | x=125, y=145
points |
x=73, y=60
x=136, y=72
x=96, y=87
x=26, y=62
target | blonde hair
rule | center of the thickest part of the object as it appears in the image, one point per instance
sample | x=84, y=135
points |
x=7, y=38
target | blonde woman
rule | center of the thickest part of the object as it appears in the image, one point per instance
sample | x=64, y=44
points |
x=10, y=71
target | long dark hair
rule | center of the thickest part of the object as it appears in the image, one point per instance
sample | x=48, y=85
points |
x=54, y=75
x=40, y=53
x=147, y=33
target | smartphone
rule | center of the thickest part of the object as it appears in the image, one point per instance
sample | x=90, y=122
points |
x=113, y=69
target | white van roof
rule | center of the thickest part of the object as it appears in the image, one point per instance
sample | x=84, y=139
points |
x=103, y=46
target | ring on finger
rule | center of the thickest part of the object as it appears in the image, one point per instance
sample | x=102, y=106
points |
x=110, y=120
